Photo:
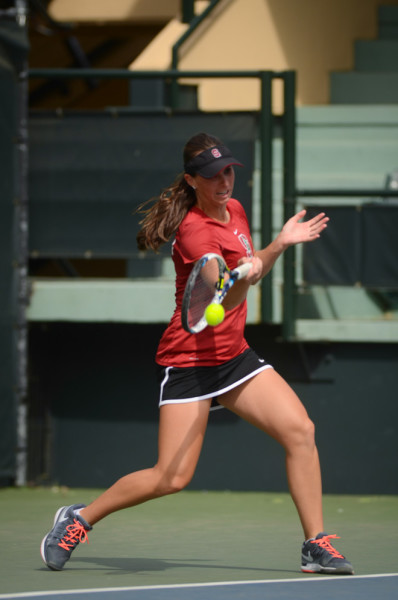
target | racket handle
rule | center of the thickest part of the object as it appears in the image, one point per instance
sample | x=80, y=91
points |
x=243, y=270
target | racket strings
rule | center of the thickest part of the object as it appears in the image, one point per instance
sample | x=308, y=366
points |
x=202, y=295
x=203, y=291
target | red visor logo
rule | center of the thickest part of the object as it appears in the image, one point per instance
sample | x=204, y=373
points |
x=216, y=153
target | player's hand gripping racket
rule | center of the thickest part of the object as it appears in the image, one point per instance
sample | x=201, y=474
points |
x=207, y=284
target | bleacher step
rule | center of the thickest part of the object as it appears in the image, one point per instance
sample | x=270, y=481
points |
x=376, y=55
x=388, y=22
x=363, y=88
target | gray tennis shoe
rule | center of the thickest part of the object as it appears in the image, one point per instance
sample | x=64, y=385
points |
x=319, y=556
x=68, y=531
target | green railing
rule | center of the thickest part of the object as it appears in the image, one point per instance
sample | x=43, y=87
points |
x=265, y=134
x=290, y=288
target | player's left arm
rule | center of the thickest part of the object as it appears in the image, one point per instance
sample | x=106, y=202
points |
x=295, y=231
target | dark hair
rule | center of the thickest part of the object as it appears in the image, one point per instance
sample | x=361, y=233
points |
x=166, y=212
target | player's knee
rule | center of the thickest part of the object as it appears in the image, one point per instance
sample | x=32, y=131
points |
x=302, y=435
x=178, y=483
x=308, y=431
x=173, y=483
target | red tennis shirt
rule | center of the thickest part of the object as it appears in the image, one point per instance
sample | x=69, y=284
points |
x=197, y=235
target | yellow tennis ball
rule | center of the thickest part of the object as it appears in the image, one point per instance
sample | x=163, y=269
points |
x=214, y=314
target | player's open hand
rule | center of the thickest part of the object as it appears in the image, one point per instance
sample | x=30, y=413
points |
x=296, y=231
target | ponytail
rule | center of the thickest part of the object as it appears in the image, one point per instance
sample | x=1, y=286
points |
x=164, y=216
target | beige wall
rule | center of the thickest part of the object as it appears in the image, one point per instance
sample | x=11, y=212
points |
x=313, y=37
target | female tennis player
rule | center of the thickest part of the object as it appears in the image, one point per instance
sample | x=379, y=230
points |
x=214, y=368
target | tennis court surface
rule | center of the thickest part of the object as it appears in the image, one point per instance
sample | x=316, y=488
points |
x=197, y=545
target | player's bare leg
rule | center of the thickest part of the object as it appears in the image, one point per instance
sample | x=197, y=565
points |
x=270, y=404
x=181, y=432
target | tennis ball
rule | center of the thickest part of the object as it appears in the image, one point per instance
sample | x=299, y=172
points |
x=214, y=314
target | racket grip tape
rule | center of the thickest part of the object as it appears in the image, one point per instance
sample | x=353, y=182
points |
x=243, y=270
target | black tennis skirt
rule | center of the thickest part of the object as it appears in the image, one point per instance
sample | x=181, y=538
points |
x=190, y=384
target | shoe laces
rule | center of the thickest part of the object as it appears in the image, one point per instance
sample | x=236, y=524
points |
x=75, y=533
x=325, y=544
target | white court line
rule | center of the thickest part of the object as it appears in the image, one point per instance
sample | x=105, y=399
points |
x=318, y=579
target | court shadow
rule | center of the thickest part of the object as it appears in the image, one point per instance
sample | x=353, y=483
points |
x=130, y=565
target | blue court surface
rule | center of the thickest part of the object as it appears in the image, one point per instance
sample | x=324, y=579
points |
x=383, y=587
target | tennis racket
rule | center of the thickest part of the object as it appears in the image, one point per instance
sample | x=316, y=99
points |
x=207, y=284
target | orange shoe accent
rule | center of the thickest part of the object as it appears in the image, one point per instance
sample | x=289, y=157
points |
x=324, y=543
x=75, y=534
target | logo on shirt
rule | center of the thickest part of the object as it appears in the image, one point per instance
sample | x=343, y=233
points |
x=245, y=243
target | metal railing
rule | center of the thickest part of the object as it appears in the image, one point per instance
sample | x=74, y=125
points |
x=265, y=135
x=290, y=288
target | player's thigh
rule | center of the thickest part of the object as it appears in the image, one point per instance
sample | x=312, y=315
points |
x=268, y=402
x=182, y=428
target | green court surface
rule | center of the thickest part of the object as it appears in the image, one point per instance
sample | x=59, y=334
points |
x=193, y=537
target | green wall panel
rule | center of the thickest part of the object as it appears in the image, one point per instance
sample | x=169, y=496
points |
x=96, y=385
